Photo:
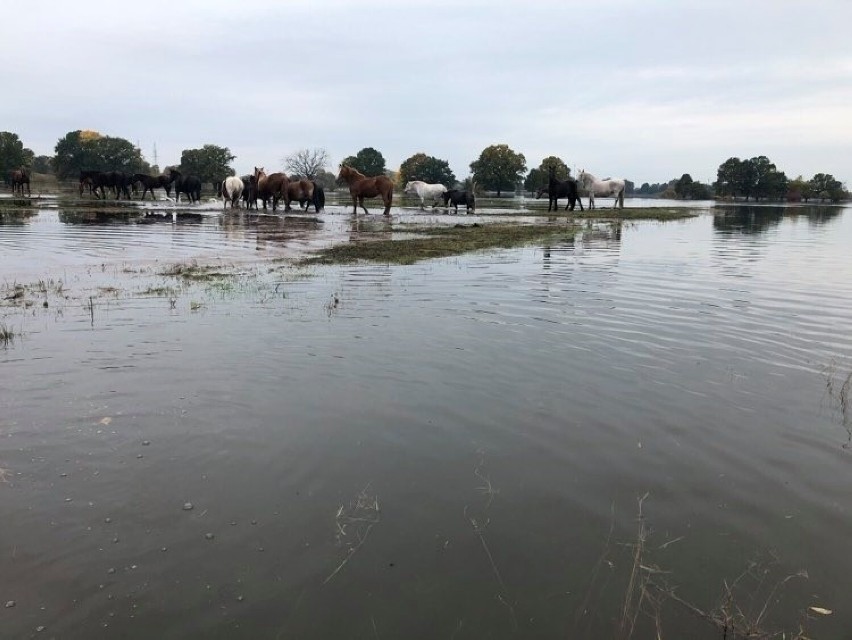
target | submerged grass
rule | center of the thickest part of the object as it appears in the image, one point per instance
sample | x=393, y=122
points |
x=438, y=243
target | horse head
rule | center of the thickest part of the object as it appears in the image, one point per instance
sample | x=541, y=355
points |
x=541, y=191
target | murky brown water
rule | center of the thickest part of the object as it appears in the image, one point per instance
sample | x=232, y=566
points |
x=449, y=450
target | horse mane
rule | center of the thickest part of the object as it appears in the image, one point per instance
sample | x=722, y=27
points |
x=352, y=171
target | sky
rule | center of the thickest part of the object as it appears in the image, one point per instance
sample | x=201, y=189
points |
x=645, y=90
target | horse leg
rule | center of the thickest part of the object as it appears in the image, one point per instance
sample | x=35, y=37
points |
x=388, y=201
x=354, y=205
x=361, y=202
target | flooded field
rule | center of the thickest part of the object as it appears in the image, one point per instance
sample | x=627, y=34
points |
x=624, y=429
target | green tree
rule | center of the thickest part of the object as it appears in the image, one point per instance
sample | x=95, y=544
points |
x=326, y=179
x=683, y=187
x=368, y=161
x=534, y=180
x=553, y=162
x=768, y=182
x=43, y=164
x=90, y=150
x=499, y=168
x=799, y=189
x=210, y=163
x=428, y=169
x=728, y=177
x=825, y=187
x=13, y=154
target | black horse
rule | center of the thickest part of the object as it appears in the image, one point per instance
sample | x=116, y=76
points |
x=319, y=198
x=149, y=183
x=249, y=191
x=19, y=178
x=118, y=181
x=190, y=185
x=556, y=189
x=457, y=197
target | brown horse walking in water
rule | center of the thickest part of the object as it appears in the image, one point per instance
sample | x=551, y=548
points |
x=273, y=186
x=360, y=187
x=21, y=177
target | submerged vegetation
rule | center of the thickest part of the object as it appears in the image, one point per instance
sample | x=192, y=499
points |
x=439, y=243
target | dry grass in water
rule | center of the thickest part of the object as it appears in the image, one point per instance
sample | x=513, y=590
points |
x=480, y=525
x=7, y=334
x=741, y=613
x=354, y=523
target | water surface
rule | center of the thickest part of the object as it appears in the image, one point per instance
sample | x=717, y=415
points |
x=451, y=449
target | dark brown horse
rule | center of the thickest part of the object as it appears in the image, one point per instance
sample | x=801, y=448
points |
x=153, y=182
x=360, y=187
x=21, y=177
x=274, y=186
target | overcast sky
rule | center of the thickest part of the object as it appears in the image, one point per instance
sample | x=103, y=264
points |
x=646, y=90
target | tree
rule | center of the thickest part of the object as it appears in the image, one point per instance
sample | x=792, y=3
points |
x=367, y=161
x=768, y=181
x=307, y=163
x=90, y=150
x=210, y=163
x=683, y=186
x=326, y=179
x=13, y=154
x=534, y=180
x=43, y=164
x=428, y=169
x=553, y=162
x=825, y=187
x=498, y=168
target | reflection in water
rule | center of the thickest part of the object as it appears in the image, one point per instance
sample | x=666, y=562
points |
x=744, y=219
x=16, y=215
x=452, y=448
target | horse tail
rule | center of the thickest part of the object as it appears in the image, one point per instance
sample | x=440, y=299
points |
x=319, y=197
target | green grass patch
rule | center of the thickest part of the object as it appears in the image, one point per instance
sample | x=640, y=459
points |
x=439, y=243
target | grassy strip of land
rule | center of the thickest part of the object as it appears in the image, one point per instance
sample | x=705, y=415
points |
x=439, y=243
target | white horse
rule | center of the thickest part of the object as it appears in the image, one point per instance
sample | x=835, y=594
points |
x=425, y=190
x=232, y=189
x=612, y=187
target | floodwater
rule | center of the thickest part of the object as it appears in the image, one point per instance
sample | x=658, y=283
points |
x=456, y=449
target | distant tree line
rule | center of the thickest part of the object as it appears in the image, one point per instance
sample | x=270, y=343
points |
x=498, y=168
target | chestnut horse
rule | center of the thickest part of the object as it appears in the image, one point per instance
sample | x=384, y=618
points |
x=21, y=177
x=360, y=187
x=273, y=186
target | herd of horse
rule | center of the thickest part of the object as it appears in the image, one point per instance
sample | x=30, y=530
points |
x=277, y=187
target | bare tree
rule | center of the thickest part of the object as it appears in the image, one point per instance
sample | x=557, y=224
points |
x=307, y=162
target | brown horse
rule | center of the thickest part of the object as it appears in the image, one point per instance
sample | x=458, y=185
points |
x=21, y=177
x=273, y=186
x=360, y=187
x=301, y=191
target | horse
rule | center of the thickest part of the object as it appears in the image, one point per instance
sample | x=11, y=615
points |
x=273, y=186
x=19, y=178
x=249, y=191
x=190, y=185
x=301, y=191
x=556, y=189
x=149, y=183
x=318, y=199
x=232, y=189
x=360, y=187
x=118, y=181
x=612, y=187
x=457, y=197
x=425, y=190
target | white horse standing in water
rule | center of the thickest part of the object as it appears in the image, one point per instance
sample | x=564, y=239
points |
x=232, y=189
x=425, y=190
x=611, y=187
